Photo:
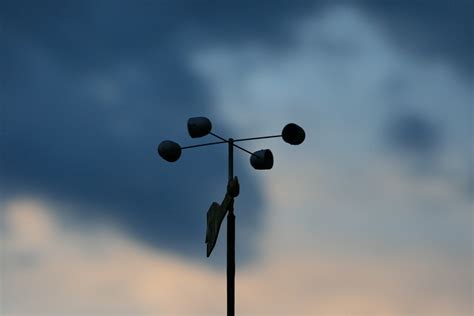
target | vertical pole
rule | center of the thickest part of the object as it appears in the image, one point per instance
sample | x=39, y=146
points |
x=231, y=241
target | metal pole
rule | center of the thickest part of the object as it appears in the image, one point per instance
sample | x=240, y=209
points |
x=231, y=158
x=231, y=241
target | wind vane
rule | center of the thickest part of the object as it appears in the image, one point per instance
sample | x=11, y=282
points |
x=260, y=160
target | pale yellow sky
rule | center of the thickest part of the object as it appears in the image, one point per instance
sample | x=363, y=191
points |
x=49, y=269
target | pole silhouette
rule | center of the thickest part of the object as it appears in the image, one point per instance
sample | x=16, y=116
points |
x=260, y=160
x=231, y=240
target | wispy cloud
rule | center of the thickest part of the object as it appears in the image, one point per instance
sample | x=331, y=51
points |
x=49, y=268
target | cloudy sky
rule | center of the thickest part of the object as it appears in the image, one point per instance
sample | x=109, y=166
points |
x=371, y=215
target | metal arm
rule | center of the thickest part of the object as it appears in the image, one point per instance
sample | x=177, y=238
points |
x=206, y=144
x=253, y=138
x=225, y=140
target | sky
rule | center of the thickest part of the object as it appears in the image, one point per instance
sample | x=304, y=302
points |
x=371, y=215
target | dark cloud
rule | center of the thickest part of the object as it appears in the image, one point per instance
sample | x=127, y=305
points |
x=429, y=29
x=62, y=138
x=63, y=141
x=414, y=134
x=107, y=31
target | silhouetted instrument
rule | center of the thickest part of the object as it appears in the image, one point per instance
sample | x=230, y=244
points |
x=260, y=160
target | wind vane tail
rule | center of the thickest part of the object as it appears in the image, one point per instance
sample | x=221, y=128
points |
x=216, y=214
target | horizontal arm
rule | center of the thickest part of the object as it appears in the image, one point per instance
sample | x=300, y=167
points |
x=201, y=145
x=225, y=140
x=253, y=138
